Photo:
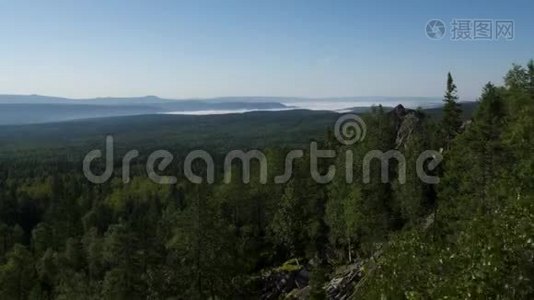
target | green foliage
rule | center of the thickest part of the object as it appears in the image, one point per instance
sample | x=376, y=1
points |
x=490, y=255
x=17, y=275
x=470, y=236
x=481, y=243
x=288, y=222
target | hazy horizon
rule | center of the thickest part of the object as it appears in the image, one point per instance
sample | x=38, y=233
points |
x=234, y=97
x=28, y=109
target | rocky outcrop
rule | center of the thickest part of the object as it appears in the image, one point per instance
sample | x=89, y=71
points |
x=280, y=282
x=342, y=285
x=293, y=284
x=406, y=121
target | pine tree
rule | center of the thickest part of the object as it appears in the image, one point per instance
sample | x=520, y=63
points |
x=452, y=118
x=517, y=82
x=530, y=75
x=476, y=159
x=17, y=275
x=489, y=126
x=203, y=245
x=288, y=224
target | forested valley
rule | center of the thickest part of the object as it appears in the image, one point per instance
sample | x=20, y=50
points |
x=469, y=236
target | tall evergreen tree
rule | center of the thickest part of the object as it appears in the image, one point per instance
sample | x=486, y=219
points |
x=452, y=112
x=530, y=74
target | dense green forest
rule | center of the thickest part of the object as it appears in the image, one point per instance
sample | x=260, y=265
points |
x=469, y=236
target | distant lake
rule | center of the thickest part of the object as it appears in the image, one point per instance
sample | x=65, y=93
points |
x=220, y=111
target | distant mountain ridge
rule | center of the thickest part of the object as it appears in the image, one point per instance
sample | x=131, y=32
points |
x=35, y=109
x=145, y=100
x=254, y=129
x=29, y=99
x=31, y=109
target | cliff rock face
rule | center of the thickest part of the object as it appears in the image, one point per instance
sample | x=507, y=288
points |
x=294, y=285
x=285, y=281
x=406, y=121
x=343, y=283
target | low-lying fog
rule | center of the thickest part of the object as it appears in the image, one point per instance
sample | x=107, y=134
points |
x=329, y=105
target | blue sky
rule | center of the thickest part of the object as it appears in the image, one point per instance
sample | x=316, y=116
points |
x=183, y=49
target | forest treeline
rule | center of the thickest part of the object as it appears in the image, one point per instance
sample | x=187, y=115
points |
x=470, y=236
